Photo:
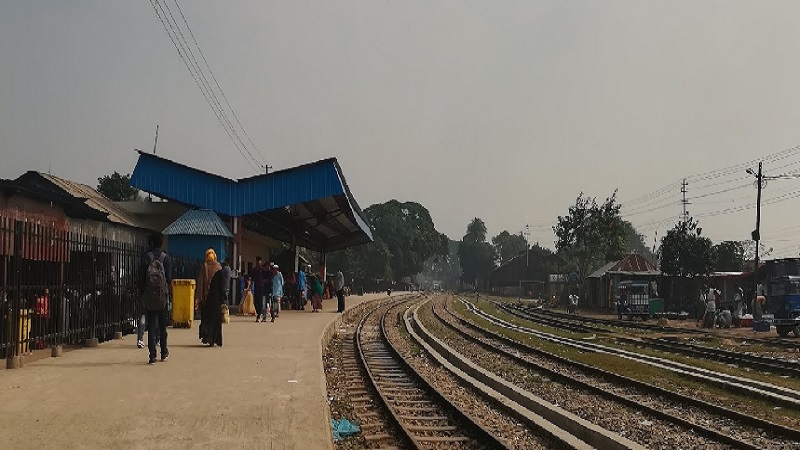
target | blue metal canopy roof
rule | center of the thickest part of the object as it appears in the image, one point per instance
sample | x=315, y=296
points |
x=198, y=222
x=310, y=203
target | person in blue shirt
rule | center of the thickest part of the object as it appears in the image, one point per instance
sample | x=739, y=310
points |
x=277, y=292
x=301, y=286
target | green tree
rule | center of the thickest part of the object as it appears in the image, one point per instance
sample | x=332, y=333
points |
x=590, y=234
x=634, y=242
x=749, y=247
x=408, y=232
x=446, y=270
x=548, y=259
x=684, y=252
x=729, y=256
x=370, y=261
x=117, y=187
x=507, y=245
x=476, y=255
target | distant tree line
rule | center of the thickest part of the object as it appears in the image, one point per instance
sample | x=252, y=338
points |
x=407, y=246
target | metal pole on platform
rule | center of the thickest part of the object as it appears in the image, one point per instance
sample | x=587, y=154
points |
x=296, y=253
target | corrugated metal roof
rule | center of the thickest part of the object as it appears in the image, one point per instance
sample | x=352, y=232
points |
x=309, y=204
x=235, y=198
x=72, y=207
x=633, y=264
x=198, y=222
x=602, y=271
x=92, y=198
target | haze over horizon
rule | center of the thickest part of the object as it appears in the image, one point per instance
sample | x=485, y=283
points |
x=499, y=111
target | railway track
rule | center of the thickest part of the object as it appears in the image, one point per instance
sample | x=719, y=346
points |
x=784, y=396
x=565, y=428
x=777, y=341
x=715, y=423
x=395, y=407
x=740, y=359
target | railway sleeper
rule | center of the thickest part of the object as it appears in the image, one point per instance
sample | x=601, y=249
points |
x=442, y=429
x=451, y=439
x=378, y=437
x=416, y=409
x=421, y=418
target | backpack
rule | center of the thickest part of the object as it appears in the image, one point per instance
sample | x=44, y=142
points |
x=155, y=293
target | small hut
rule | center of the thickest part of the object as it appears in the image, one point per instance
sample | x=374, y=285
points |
x=603, y=282
x=195, y=232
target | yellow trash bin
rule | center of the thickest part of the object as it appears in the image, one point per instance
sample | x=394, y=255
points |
x=182, y=303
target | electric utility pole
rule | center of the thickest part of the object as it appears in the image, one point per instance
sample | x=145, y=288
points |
x=527, y=244
x=757, y=232
x=684, y=201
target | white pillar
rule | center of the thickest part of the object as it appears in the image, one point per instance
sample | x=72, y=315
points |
x=236, y=257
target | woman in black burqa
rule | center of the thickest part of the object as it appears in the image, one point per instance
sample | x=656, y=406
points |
x=210, y=305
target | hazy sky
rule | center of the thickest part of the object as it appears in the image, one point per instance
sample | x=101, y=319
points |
x=500, y=110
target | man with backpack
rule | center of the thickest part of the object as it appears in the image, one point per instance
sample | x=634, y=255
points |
x=155, y=278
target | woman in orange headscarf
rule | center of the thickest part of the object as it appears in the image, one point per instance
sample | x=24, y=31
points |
x=209, y=296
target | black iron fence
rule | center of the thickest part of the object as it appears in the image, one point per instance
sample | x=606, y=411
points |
x=60, y=287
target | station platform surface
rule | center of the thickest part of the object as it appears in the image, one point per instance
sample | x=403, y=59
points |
x=264, y=389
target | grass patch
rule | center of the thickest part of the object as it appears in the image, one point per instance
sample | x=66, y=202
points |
x=717, y=366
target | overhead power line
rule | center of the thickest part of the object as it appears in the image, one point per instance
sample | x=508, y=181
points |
x=225, y=97
x=715, y=175
x=202, y=77
x=182, y=46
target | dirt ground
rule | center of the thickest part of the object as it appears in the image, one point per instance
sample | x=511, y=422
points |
x=264, y=389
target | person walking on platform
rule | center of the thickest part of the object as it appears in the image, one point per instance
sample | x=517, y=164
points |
x=246, y=306
x=142, y=316
x=155, y=268
x=340, y=291
x=277, y=292
x=227, y=274
x=259, y=276
x=301, y=288
x=316, y=294
x=210, y=295
x=269, y=273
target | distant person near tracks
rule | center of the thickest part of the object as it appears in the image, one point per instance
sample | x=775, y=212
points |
x=340, y=291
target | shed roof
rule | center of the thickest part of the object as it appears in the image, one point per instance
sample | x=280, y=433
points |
x=310, y=203
x=198, y=222
x=71, y=206
x=603, y=270
x=93, y=199
x=632, y=264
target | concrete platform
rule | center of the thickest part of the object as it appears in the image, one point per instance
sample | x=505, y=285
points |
x=265, y=389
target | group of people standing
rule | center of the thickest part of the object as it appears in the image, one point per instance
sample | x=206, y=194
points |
x=718, y=312
x=267, y=291
x=264, y=291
